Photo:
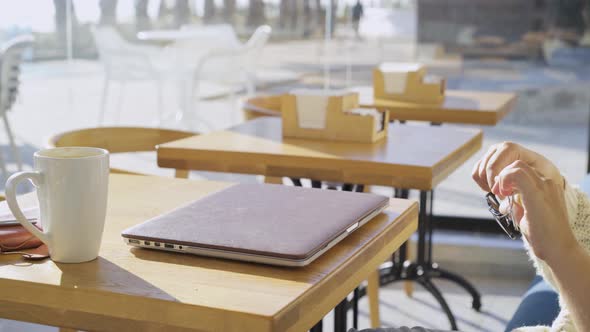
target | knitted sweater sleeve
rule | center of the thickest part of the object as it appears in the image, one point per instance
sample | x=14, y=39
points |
x=579, y=215
x=578, y=210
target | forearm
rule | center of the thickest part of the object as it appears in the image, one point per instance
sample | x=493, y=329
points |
x=572, y=273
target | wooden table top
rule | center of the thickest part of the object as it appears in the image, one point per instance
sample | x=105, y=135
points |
x=412, y=156
x=138, y=289
x=460, y=106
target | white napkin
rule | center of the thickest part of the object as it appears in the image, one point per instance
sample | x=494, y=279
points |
x=370, y=112
x=395, y=75
x=312, y=106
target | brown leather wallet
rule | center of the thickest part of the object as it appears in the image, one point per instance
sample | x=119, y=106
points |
x=13, y=238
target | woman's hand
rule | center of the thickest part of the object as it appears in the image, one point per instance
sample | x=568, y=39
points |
x=501, y=155
x=541, y=212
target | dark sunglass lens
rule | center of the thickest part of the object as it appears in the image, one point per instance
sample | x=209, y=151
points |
x=492, y=201
x=503, y=220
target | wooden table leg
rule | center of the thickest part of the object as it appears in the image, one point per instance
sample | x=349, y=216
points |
x=273, y=180
x=373, y=296
x=181, y=173
x=408, y=285
x=373, y=290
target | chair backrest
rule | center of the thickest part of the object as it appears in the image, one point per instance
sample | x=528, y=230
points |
x=262, y=106
x=108, y=38
x=118, y=139
x=254, y=46
x=224, y=34
x=200, y=40
x=260, y=37
x=11, y=55
x=120, y=57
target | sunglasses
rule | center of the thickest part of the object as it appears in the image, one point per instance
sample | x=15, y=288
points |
x=505, y=220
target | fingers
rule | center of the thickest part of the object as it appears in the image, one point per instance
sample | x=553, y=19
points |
x=506, y=153
x=475, y=174
x=478, y=173
x=504, y=206
x=517, y=213
x=491, y=164
x=518, y=177
x=512, y=205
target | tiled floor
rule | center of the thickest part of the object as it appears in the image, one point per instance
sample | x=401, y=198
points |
x=500, y=299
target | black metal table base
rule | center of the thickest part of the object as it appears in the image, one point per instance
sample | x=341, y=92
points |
x=423, y=275
x=341, y=310
x=422, y=271
x=341, y=313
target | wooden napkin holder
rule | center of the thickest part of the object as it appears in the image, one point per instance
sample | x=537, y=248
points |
x=340, y=123
x=418, y=87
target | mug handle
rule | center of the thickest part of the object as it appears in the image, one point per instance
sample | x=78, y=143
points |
x=11, y=183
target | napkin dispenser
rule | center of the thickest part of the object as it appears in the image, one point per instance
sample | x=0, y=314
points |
x=407, y=82
x=331, y=115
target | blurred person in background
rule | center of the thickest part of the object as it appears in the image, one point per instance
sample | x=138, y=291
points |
x=357, y=14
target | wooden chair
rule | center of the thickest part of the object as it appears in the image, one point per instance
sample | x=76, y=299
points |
x=120, y=140
x=262, y=106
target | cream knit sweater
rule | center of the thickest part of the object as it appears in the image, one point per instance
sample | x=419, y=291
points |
x=578, y=209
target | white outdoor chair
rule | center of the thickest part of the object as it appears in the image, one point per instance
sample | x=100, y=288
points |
x=224, y=35
x=11, y=55
x=233, y=67
x=123, y=62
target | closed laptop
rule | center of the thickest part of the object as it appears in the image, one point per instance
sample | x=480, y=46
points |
x=272, y=224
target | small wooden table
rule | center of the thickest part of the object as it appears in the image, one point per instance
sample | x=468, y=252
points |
x=137, y=289
x=412, y=157
x=460, y=106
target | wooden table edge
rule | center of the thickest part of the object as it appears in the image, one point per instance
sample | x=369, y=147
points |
x=70, y=308
x=395, y=235
x=471, y=147
x=451, y=115
x=345, y=168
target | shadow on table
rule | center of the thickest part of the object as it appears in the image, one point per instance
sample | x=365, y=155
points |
x=309, y=274
x=105, y=275
x=406, y=145
x=99, y=274
x=327, y=263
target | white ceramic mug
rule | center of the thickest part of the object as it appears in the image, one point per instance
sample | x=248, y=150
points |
x=72, y=185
